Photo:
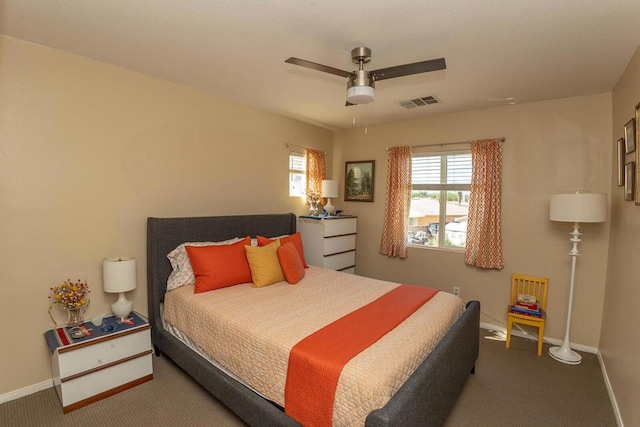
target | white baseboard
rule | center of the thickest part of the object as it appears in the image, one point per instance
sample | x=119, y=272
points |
x=25, y=391
x=518, y=332
x=612, y=397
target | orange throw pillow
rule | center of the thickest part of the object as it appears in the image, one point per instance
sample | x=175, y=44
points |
x=295, y=238
x=290, y=263
x=216, y=267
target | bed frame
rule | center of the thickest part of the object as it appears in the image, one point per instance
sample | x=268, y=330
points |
x=425, y=399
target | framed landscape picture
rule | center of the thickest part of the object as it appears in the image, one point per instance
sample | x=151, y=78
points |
x=358, y=182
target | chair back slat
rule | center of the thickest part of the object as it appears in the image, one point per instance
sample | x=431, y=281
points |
x=529, y=285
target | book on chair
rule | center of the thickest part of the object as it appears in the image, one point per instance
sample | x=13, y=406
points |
x=527, y=312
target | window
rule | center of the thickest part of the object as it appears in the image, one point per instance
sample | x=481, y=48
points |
x=440, y=189
x=297, y=174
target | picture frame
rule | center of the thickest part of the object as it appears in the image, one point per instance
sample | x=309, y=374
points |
x=630, y=136
x=629, y=180
x=359, y=179
x=637, y=169
x=620, y=151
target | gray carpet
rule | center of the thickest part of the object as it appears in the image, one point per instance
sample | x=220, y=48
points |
x=510, y=387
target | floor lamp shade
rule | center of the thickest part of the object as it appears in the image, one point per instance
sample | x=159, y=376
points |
x=329, y=190
x=119, y=276
x=576, y=208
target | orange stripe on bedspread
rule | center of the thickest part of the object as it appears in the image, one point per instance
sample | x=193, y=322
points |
x=315, y=363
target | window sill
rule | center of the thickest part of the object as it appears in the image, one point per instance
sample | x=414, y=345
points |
x=438, y=248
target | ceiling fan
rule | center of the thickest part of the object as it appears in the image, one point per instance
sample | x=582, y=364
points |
x=361, y=84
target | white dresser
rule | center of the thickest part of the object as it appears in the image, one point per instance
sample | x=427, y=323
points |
x=330, y=242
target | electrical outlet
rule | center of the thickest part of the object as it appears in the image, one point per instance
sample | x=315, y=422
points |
x=456, y=291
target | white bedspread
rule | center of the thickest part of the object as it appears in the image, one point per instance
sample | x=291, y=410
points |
x=250, y=332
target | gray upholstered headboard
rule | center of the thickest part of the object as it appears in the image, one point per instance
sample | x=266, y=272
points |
x=164, y=234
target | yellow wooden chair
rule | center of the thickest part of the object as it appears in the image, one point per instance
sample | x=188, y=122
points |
x=528, y=285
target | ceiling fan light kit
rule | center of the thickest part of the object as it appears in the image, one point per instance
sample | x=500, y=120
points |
x=360, y=95
x=360, y=88
x=361, y=83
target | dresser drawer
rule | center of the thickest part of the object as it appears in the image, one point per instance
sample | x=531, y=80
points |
x=337, y=227
x=334, y=245
x=340, y=261
x=72, y=361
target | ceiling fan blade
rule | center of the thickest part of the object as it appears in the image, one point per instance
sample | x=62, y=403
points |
x=318, y=67
x=408, y=69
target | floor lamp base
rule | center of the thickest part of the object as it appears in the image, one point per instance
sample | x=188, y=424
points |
x=564, y=354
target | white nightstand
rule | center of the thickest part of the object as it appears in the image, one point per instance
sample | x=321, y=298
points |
x=109, y=361
x=329, y=242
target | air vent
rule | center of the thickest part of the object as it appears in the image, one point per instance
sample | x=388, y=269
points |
x=419, y=102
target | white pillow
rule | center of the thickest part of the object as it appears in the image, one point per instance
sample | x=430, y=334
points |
x=182, y=273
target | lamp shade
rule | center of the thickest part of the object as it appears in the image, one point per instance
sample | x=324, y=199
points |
x=118, y=274
x=329, y=188
x=578, y=207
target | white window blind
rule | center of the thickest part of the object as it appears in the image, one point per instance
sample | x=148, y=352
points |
x=441, y=185
x=297, y=174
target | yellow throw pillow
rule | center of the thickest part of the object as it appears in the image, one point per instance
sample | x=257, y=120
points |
x=264, y=264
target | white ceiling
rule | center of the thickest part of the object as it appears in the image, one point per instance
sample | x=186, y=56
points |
x=497, y=51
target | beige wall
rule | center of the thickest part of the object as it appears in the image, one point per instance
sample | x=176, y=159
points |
x=550, y=147
x=87, y=152
x=620, y=339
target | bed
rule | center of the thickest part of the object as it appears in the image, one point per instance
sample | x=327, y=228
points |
x=425, y=398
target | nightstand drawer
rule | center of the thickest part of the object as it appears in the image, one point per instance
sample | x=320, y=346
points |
x=339, y=226
x=340, y=261
x=105, y=380
x=72, y=361
x=334, y=245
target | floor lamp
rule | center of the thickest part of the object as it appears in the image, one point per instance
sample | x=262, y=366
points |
x=574, y=207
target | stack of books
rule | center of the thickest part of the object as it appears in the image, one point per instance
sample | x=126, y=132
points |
x=526, y=305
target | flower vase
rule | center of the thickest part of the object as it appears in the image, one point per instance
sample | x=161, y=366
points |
x=75, y=315
x=313, y=207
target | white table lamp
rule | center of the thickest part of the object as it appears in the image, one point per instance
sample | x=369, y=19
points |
x=119, y=276
x=329, y=190
x=574, y=207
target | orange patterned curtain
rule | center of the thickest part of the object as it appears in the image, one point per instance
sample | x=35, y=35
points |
x=484, y=235
x=396, y=211
x=315, y=173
